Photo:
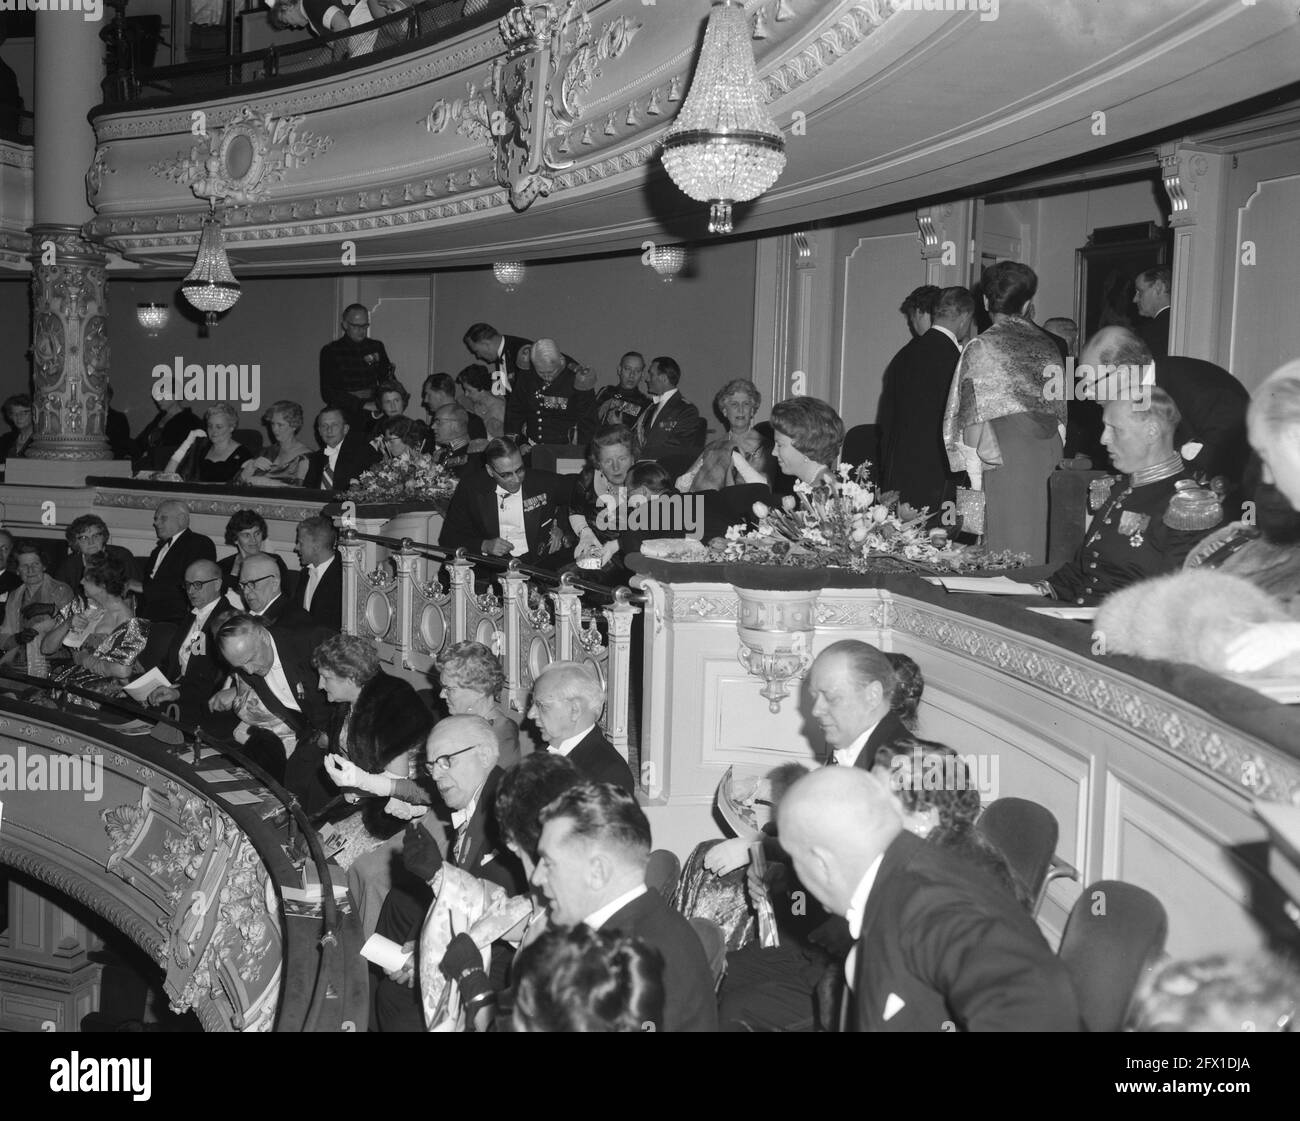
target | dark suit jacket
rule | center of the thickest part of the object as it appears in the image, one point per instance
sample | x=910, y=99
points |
x=284, y=614
x=327, y=604
x=599, y=760
x=1213, y=406
x=73, y=567
x=164, y=599
x=227, y=566
x=157, y=440
x=888, y=731
x=516, y=356
x=689, y=1002
x=355, y=456
x=203, y=674
x=459, y=461
x=955, y=948
x=473, y=514
x=1155, y=333
x=675, y=438
x=913, y=460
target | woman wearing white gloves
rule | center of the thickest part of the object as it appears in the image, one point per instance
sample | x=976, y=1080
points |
x=600, y=495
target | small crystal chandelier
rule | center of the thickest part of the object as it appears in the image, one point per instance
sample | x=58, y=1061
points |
x=211, y=287
x=152, y=317
x=668, y=261
x=724, y=146
x=509, y=274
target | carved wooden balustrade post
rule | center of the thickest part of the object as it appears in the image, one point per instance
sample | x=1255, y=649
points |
x=568, y=620
x=462, y=594
x=353, y=550
x=618, y=672
x=514, y=645
x=405, y=561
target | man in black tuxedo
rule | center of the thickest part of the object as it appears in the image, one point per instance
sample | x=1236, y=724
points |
x=163, y=600
x=191, y=661
x=670, y=431
x=567, y=702
x=461, y=754
x=277, y=665
x=851, y=684
x=592, y=858
x=912, y=402
x=319, y=588
x=509, y=511
x=940, y=946
x=260, y=586
x=345, y=453
x=451, y=441
x=504, y=355
x=1151, y=295
x=554, y=402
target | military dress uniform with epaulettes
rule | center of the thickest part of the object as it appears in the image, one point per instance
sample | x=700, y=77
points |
x=561, y=411
x=1145, y=525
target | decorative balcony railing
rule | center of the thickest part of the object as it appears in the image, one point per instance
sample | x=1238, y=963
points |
x=528, y=617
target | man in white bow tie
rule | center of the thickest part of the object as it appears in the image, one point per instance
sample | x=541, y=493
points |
x=939, y=945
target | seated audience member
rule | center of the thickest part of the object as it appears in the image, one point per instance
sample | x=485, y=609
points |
x=461, y=754
x=9, y=578
x=593, y=851
x=319, y=587
x=1211, y=433
x=450, y=445
x=487, y=411
x=390, y=398
x=586, y=980
x=808, y=438
x=1221, y=994
x=163, y=434
x=32, y=607
x=1151, y=295
x=117, y=429
x=163, y=600
x=1265, y=551
x=112, y=637
x=567, y=702
x=262, y=589
x=909, y=684
x=918, y=308
x=88, y=536
x=508, y=510
x=623, y=403
x=1143, y=525
x=216, y=457
x=275, y=667
x=471, y=680
x=600, y=494
x=190, y=662
x=655, y=510
x=288, y=459
x=736, y=403
x=937, y=944
x=554, y=402
x=440, y=389
x=505, y=356
x=247, y=532
x=377, y=727
x=18, y=412
x=344, y=454
x=401, y=437
x=670, y=430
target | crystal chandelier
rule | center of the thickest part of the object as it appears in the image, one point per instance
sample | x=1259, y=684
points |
x=668, y=261
x=509, y=274
x=211, y=287
x=152, y=317
x=724, y=146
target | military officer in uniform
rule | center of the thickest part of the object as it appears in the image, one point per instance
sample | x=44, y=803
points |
x=1148, y=519
x=554, y=402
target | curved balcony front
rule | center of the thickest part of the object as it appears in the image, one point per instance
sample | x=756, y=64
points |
x=416, y=158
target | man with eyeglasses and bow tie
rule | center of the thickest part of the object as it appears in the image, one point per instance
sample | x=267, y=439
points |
x=509, y=510
x=260, y=585
x=191, y=662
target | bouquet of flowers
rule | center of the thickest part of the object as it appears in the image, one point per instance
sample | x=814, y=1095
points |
x=846, y=523
x=405, y=479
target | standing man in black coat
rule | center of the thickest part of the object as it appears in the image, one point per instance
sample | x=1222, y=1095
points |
x=505, y=356
x=940, y=946
x=913, y=460
x=163, y=600
x=567, y=703
x=592, y=858
x=554, y=402
x=1152, y=296
x=670, y=431
x=345, y=454
x=352, y=365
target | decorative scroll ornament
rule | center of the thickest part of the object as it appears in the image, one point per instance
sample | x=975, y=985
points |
x=550, y=61
x=243, y=161
x=776, y=629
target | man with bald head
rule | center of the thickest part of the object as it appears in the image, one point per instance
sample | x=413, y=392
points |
x=939, y=945
x=568, y=699
x=162, y=599
x=191, y=661
x=554, y=402
x=260, y=585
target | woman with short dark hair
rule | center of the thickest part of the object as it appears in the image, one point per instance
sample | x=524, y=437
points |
x=18, y=412
x=247, y=531
x=88, y=537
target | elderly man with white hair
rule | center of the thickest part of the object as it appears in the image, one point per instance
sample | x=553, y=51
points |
x=554, y=402
x=567, y=702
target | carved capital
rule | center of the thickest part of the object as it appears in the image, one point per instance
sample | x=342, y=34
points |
x=1183, y=171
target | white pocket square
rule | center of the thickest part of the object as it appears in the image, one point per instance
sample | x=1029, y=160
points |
x=893, y=1005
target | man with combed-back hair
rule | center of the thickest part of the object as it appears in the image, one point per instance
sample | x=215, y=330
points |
x=592, y=856
x=670, y=430
x=567, y=702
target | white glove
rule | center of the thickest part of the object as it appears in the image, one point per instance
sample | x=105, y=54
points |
x=180, y=453
x=343, y=772
x=588, y=545
x=745, y=470
x=407, y=811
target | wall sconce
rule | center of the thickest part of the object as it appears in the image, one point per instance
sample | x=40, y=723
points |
x=152, y=317
x=668, y=261
x=509, y=274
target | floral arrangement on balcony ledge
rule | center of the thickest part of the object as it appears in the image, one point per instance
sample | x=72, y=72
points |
x=844, y=523
x=404, y=480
